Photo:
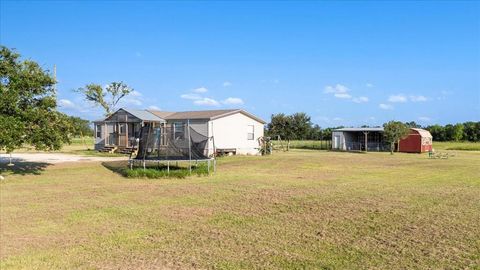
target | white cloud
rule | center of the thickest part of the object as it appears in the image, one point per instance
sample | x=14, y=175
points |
x=79, y=105
x=233, y=101
x=360, y=99
x=369, y=85
x=200, y=90
x=191, y=96
x=384, y=106
x=337, y=119
x=67, y=104
x=424, y=118
x=337, y=89
x=397, y=98
x=418, y=98
x=342, y=95
x=135, y=93
x=154, y=108
x=341, y=91
x=227, y=84
x=206, y=102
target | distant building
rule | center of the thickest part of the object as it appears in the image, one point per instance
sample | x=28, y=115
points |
x=372, y=139
x=233, y=131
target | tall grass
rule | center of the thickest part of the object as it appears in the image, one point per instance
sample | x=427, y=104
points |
x=304, y=144
x=163, y=172
x=462, y=146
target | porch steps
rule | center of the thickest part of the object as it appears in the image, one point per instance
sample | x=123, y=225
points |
x=127, y=150
x=108, y=149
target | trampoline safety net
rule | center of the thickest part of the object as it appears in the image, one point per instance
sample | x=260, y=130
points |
x=168, y=143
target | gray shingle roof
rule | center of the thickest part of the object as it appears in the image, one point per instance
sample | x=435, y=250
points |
x=144, y=115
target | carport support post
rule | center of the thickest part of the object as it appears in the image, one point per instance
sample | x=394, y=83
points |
x=366, y=140
x=189, y=147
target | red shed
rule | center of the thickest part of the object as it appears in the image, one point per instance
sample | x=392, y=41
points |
x=418, y=141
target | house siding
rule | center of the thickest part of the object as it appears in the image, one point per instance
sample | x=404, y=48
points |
x=230, y=132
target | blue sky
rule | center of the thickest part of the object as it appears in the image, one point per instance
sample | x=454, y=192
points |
x=343, y=63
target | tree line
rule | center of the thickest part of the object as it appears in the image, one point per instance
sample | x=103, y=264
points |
x=298, y=126
x=468, y=131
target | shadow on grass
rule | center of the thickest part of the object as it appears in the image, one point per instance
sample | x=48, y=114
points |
x=23, y=168
x=118, y=167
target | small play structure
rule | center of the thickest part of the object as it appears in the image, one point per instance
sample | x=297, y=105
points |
x=168, y=146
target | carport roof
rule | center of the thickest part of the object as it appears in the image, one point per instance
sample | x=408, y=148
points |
x=378, y=129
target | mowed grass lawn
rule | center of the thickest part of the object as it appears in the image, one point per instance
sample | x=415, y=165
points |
x=302, y=209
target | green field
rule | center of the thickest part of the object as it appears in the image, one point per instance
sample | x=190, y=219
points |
x=303, y=144
x=298, y=209
x=464, y=146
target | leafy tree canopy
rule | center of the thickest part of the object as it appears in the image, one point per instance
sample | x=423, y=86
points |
x=107, y=98
x=80, y=127
x=394, y=131
x=28, y=112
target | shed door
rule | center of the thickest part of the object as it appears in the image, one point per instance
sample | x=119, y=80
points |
x=336, y=142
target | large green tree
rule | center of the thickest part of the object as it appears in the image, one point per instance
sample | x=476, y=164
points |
x=301, y=125
x=107, y=97
x=28, y=112
x=454, y=132
x=394, y=131
x=438, y=132
x=80, y=127
x=471, y=131
x=282, y=125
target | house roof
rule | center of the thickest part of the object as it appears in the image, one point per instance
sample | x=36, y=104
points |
x=378, y=129
x=207, y=114
x=143, y=115
x=161, y=116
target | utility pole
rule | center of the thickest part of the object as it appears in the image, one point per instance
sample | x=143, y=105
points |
x=189, y=147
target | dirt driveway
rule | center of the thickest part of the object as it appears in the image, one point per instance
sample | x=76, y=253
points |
x=53, y=158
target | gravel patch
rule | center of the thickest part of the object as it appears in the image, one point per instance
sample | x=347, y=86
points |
x=53, y=158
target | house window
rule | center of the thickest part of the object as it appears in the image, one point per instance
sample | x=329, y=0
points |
x=99, y=131
x=179, y=130
x=250, y=132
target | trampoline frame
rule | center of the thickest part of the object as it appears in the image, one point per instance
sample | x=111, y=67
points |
x=211, y=162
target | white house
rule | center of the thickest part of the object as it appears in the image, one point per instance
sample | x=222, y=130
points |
x=232, y=131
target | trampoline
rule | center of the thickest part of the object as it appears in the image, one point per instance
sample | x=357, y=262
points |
x=174, y=143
